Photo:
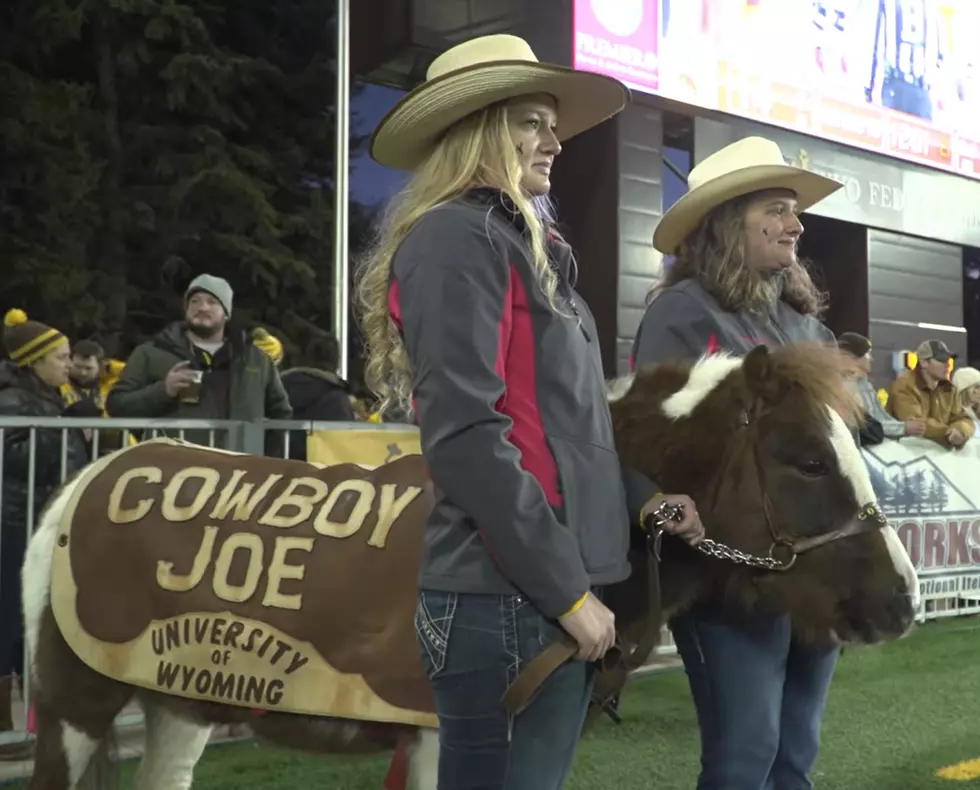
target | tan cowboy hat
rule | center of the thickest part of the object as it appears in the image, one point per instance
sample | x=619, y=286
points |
x=748, y=165
x=481, y=72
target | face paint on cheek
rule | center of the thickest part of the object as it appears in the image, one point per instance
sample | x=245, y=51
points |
x=520, y=148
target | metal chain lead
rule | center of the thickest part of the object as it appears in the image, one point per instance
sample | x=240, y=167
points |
x=667, y=512
x=722, y=552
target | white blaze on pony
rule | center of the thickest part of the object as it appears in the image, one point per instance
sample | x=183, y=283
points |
x=856, y=471
x=711, y=370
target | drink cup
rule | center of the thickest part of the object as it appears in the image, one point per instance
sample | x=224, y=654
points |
x=192, y=393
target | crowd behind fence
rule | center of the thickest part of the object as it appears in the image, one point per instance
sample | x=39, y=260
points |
x=274, y=437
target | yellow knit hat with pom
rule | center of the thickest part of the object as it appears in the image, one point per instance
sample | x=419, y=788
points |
x=27, y=341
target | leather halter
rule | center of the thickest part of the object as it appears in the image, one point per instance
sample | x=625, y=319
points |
x=785, y=547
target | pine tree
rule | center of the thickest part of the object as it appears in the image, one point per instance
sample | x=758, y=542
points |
x=48, y=173
x=920, y=491
x=167, y=139
x=940, y=496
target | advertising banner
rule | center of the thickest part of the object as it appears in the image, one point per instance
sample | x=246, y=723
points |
x=932, y=496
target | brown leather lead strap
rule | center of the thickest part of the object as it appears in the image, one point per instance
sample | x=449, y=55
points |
x=652, y=624
x=520, y=693
x=538, y=670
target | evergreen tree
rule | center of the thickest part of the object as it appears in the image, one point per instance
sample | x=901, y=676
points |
x=49, y=175
x=160, y=139
x=920, y=491
x=905, y=498
x=939, y=498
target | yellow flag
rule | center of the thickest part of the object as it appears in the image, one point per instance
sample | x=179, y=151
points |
x=366, y=446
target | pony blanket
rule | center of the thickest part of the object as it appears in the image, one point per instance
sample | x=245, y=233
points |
x=250, y=581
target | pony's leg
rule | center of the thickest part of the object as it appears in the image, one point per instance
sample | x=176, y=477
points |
x=64, y=747
x=62, y=754
x=75, y=709
x=423, y=760
x=173, y=747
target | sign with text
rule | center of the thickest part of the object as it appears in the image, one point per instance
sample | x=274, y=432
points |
x=931, y=495
x=618, y=38
x=250, y=581
x=896, y=77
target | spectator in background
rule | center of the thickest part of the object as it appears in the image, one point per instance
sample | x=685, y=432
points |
x=88, y=385
x=38, y=365
x=85, y=374
x=858, y=350
x=967, y=384
x=926, y=394
x=200, y=368
x=315, y=390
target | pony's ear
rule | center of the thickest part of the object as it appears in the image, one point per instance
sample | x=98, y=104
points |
x=758, y=371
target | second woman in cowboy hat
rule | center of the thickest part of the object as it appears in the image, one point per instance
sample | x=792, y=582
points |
x=471, y=318
x=735, y=282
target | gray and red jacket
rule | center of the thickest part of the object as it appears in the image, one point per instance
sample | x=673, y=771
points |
x=510, y=400
x=685, y=321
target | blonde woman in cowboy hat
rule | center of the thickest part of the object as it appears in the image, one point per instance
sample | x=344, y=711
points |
x=472, y=322
x=734, y=282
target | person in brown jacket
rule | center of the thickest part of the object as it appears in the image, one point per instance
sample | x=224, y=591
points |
x=926, y=394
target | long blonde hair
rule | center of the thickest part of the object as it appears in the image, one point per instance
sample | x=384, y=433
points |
x=714, y=255
x=476, y=152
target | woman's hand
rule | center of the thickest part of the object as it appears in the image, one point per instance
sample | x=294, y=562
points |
x=689, y=528
x=592, y=626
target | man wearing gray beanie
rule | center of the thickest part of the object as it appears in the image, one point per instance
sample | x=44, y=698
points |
x=200, y=368
x=218, y=287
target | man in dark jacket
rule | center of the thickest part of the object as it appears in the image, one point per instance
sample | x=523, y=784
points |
x=200, y=369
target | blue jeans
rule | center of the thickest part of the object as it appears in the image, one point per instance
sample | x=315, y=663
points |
x=759, y=696
x=472, y=648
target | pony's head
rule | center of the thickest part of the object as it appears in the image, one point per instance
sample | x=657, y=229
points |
x=762, y=444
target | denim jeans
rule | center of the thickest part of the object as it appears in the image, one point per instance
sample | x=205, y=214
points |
x=759, y=696
x=473, y=647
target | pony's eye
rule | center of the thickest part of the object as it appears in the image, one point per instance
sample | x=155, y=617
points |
x=814, y=468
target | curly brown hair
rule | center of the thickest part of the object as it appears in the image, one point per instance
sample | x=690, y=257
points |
x=714, y=255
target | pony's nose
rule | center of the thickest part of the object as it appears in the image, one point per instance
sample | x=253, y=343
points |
x=902, y=608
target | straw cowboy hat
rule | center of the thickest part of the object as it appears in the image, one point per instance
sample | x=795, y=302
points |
x=481, y=72
x=745, y=166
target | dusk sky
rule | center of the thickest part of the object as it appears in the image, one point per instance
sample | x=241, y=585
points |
x=370, y=183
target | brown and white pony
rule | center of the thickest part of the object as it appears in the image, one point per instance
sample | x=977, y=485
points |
x=758, y=442
x=763, y=447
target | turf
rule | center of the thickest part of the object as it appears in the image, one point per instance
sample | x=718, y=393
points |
x=896, y=714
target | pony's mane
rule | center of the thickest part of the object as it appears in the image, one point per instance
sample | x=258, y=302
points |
x=820, y=372
x=817, y=370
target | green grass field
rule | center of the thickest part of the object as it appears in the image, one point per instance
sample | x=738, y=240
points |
x=896, y=714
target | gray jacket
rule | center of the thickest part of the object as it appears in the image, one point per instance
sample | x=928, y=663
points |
x=685, y=321
x=510, y=400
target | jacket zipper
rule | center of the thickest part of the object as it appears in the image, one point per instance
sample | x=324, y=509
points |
x=570, y=298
